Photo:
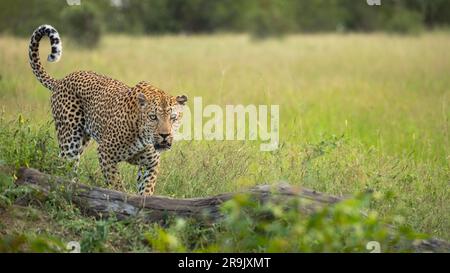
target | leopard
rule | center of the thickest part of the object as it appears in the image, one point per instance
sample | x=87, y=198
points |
x=132, y=124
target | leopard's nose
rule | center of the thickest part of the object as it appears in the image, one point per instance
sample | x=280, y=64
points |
x=164, y=136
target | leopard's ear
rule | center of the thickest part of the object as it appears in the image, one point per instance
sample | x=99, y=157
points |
x=182, y=99
x=142, y=100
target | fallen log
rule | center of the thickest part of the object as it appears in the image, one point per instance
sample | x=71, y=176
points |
x=101, y=202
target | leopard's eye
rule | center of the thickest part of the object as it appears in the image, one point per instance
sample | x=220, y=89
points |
x=173, y=116
x=153, y=117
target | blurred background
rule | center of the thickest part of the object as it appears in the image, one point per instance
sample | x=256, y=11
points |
x=260, y=18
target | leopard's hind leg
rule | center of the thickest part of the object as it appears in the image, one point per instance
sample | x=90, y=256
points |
x=70, y=126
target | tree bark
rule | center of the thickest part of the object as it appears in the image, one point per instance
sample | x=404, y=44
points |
x=101, y=202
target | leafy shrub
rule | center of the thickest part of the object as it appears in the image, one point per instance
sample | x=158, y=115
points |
x=83, y=24
x=251, y=227
x=404, y=22
x=270, y=19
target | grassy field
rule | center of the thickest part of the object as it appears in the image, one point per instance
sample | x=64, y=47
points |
x=357, y=112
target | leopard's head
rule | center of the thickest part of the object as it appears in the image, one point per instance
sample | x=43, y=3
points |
x=161, y=114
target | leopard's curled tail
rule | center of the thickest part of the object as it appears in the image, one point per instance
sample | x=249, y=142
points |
x=54, y=56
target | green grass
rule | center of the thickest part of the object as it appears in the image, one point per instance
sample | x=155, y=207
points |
x=357, y=112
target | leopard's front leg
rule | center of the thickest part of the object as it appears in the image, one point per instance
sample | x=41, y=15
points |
x=148, y=162
x=109, y=169
x=147, y=178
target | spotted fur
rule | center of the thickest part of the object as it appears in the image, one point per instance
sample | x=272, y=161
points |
x=132, y=124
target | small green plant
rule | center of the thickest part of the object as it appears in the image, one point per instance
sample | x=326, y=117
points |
x=249, y=226
x=21, y=145
x=93, y=240
x=30, y=243
x=166, y=240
